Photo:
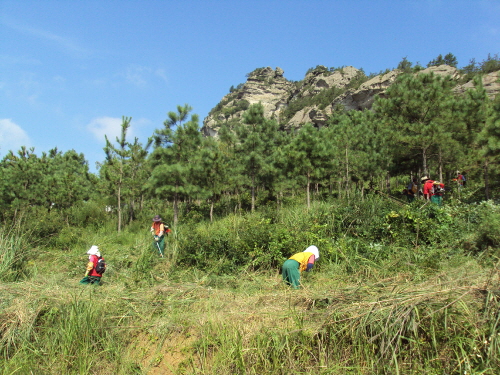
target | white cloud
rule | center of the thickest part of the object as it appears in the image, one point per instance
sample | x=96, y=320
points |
x=141, y=76
x=18, y=60
x=110, y=126
x=65, y=43
x=137, y=75
x=161, y=73
x=12, y=136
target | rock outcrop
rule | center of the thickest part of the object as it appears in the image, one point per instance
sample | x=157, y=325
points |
x=320, y=79
x=295, y=103
x=363, y=97
x=313, y=115
x=442, y=70
x=491, y=84
x=316, y=81
x=268, y=87
x=264, y=85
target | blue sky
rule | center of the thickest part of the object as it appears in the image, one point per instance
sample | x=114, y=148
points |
x=69, y=70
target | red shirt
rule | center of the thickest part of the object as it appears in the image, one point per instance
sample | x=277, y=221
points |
x=94, y=259
x=428, y=187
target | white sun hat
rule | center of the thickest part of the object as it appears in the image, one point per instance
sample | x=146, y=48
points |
x=313, y=249
x=94, y=250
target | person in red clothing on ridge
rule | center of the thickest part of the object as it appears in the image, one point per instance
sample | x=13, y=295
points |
x=460, y=180
x=91, y=275
x=428, y=187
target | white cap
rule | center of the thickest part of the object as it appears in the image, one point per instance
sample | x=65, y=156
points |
x=94, y=250
x=313, y=249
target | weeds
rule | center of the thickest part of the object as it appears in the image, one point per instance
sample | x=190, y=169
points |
x=422, y=297
x=14, y=245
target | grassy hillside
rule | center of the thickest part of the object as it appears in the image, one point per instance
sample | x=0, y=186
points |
x=398, y=289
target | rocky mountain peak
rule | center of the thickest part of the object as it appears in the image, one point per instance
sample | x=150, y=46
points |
x=266, y=73
x=315, y=98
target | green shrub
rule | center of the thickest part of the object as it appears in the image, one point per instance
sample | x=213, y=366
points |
x=488, y=228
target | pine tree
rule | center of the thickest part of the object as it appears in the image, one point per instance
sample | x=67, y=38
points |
x=228, y=143
x=256, y=137
x=359, y=145
x=52, y=182
x=123, y=170
x=416, y=109
x=405, y=65
x=212, y=170
x=67, y=180
x=308, y=157
x=173, y=158
x=489, y=140
x=22, y=176
x=469, y=113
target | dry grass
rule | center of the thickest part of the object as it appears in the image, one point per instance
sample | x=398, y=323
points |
x=252, y=323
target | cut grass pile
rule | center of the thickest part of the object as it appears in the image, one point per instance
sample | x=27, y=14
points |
x=250, y=323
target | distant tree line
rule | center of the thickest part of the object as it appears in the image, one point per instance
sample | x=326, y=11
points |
x=420, y=127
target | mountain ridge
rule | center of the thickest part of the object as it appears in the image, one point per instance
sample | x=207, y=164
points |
x=322, y=92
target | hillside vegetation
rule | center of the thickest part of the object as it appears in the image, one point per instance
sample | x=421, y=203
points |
x=400, y=288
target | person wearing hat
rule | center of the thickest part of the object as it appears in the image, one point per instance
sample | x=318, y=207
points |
x=91, y=275
x=428, y=187
x=159, y=230
x=297, y=263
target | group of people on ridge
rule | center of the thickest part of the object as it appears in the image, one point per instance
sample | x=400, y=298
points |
x=96, y=265
x=291, y=269
x=432, y=190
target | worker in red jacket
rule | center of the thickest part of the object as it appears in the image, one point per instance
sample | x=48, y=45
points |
x=93, y=273
x=428, y=187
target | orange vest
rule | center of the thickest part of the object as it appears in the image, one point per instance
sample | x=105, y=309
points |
x=158, y=227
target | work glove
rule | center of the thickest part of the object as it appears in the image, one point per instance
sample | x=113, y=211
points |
x=90, y=267
x=156, y=238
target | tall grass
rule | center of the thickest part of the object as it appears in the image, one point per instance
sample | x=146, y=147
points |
x=384, y=327
x=44, y=334
x=396, y=290
x=14, y=247
x=252, y=324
